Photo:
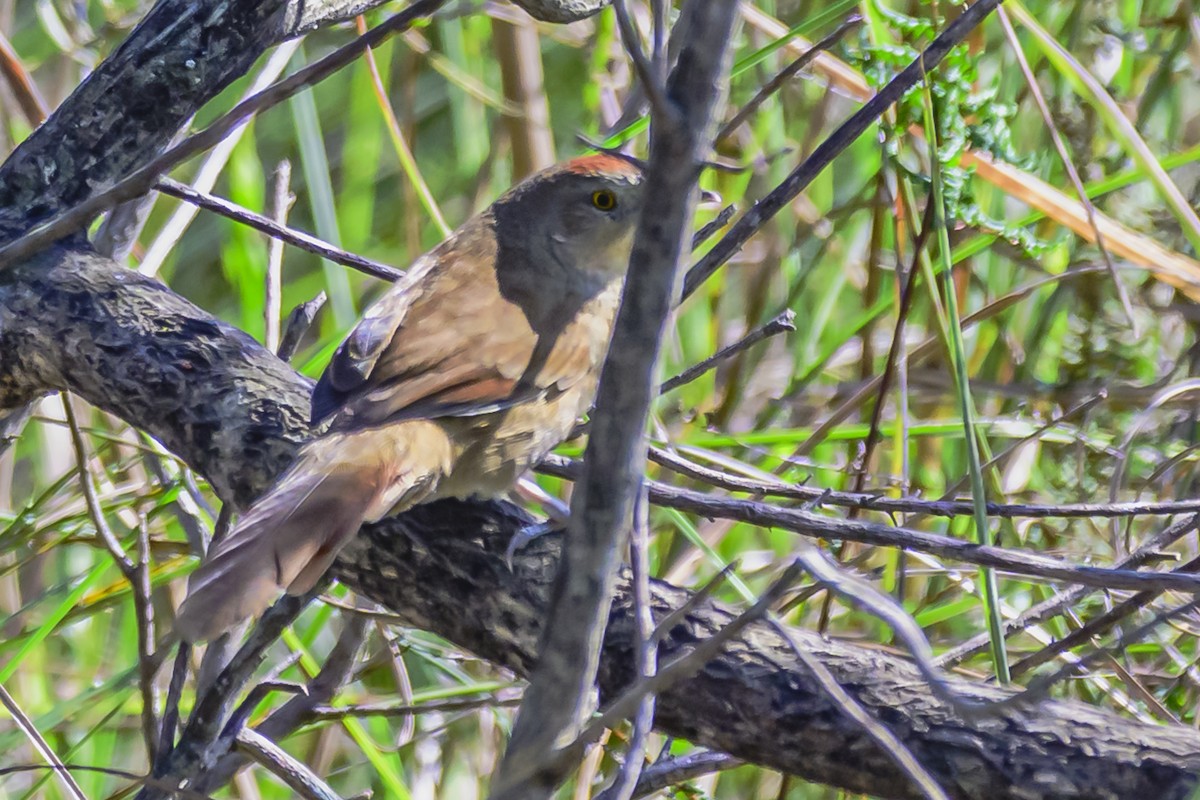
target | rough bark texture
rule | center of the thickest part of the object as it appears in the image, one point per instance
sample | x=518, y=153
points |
x=180, y=56
x=127, y=344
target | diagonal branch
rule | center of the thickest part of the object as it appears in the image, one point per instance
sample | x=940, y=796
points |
x=559, y=697
x=230, y=409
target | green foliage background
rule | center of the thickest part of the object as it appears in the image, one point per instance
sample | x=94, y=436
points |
x=1052, y=337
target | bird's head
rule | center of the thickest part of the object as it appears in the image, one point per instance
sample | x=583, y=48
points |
x=577, y=216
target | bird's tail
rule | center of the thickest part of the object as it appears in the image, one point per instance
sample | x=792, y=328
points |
x=291, y=535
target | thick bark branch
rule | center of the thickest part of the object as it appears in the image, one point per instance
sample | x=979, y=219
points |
x=233, y=411
x=180, y=56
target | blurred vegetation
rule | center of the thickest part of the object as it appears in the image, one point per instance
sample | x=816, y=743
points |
x=1071, y=392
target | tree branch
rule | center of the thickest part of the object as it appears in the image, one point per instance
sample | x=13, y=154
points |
x=236, y=413
x=558, y=701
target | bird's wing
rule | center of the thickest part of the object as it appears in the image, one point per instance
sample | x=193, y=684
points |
x=445, y=342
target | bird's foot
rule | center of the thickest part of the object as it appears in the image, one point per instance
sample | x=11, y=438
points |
x=529, y=533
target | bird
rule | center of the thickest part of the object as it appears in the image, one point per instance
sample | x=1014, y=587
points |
x=471, y=368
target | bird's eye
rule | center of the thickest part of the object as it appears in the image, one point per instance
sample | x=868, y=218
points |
x=604, y=200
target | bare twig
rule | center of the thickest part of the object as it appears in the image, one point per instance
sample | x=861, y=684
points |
x=678, y=670
x=712, y=226
x=783, y=323
x=646, y=653
x=295, y=712
x=330, y=713
x=266, y=225
x=687, y=664
x=1054, y=605
x=196, y=746
x=786, y=74
x=209, y=170
x=39, y=743
x=911, y=505
x=838, y=141
x=281, y=203
x=1095, y=626
x=647, y=72
x=560, y=691
x=288, y=769
x=859, y=592
x=893, y=356
x=143, y=608
x=1065, y=156
x=667, y=772
x=136, y=573
x=701, y=595
x=170, y=718
x=1018, y=562
x=99, y=522
x=1039, y=686
x=143, y=179
x=888, y=742
x=298, y=323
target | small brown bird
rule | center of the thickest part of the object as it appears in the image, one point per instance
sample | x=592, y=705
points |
x=463, y=375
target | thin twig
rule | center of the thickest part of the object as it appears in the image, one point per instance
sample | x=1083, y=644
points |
x=197, y=744
x=912, y=505
x=786, y=74
x=39, y=743
x=281, y=203
x=893, y=356
x=1039, y=686
x=1053, y=605
x=646, y=72
x=646, y=653
x=336, y=671
x=209, y=170
x=707, y=231
x=784, y=323
x=834, y=145
x=678, y=670
x=888, y=742
x=170, y=718
x=1072, y=173
x=143, y=179
x=284, y=766
x=1095, y=626
x=136, y=573
x=143, y=609
x=266, y=225
x=687, y=664
x=669, y=772
x=805, y=523
x=863, y=594
x=99, y=521
x=659, y=67
x=298, y=323
x=332, y=713
x=701, y=595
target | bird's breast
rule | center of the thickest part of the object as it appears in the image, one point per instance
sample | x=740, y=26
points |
x=492, y=451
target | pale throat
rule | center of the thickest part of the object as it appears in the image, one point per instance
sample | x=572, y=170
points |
x=606, y=259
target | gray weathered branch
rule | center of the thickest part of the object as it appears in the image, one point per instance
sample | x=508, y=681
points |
x=129, y=345
x=180, y=56
x=557, y=703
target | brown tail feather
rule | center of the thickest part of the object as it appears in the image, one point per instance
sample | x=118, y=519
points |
x=291, y=535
